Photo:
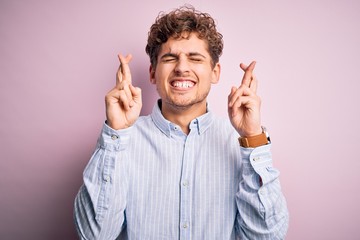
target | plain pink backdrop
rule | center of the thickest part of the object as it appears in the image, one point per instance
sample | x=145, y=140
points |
x=58, y=60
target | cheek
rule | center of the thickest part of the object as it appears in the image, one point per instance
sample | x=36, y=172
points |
x=160, y=82
x=161, y=73
x=206, y=75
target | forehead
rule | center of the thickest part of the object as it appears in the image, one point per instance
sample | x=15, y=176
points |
x=186, y=45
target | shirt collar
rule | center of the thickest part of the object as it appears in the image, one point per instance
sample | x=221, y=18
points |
x=201, y=123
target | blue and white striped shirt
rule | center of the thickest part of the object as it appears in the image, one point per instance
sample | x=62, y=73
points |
x=152, y=181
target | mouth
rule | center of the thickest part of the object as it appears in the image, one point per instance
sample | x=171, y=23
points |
x=182, y=84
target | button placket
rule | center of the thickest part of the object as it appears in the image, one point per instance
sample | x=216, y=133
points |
x=185, y=188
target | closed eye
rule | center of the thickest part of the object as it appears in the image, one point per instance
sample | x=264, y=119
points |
x=169, y=59
x=196, y=59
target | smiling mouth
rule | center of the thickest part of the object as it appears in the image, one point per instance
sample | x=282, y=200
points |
x=182, y=84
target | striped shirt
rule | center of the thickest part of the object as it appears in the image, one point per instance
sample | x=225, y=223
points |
x=152, y=181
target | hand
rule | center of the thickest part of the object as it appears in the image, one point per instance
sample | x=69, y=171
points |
x=244, y=104
x=123, y=102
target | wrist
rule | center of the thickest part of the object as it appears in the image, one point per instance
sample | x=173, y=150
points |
x=249, y=134
x=115, y=126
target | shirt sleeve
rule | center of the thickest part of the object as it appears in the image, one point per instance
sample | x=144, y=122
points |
x=96, y=213
x=262, y=207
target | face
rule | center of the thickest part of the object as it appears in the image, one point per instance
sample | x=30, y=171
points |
x=184, y=73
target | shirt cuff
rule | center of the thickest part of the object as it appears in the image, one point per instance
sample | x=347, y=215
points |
x=114, y=140
x=260, y=159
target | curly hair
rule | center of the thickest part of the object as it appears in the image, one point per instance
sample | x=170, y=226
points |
x=184, y=20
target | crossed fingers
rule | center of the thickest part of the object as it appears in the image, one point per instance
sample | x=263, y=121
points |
x=245, y=94
x=244, y=104
x=249, y=78
x=123, y=72
x=123, y=82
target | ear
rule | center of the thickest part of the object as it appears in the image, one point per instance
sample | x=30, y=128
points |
x=216, y=73
x=152, y=75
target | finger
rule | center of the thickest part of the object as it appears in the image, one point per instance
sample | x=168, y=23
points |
x=136, y=94
x=236, y=107
x=232, y=91
x=124, y=100
x=126, y=88
x=243, y=103
x=254, y=84
x=243, y=66
x=119, y=75
x=116, y=96
x=130, y=97
x=239, y=92
x=231, y=96
x=125, y=69
x=121, y=96
x=120, y=69
x=248, y=73
x=133, y=94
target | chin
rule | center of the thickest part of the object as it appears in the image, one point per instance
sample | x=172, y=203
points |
x=185, y=103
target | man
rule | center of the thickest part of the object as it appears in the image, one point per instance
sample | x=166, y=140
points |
x=181, y=172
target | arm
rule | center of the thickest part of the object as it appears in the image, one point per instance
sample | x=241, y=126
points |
x=262, y=208
x=101, y=201
x=100, y=204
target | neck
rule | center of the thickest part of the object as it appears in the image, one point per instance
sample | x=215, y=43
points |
x=183, y=116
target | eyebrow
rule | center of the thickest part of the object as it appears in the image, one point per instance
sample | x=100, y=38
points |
x=191, y=54
x=168, y=55
x=196, y=54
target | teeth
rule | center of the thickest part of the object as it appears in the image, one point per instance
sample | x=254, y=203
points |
x=183, y=84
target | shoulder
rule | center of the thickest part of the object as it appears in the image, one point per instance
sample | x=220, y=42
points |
x=223, y=124
x=143, y=122
x=222, y=128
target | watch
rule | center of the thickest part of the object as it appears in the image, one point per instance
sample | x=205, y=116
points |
x=255, y=141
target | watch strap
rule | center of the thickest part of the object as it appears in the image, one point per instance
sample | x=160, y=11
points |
x=254, y=141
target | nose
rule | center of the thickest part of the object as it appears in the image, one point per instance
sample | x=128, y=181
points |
x=182, y=66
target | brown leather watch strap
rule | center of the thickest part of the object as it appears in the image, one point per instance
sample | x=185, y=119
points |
x=254, y=141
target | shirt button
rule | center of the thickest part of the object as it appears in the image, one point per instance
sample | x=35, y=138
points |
x=106, y=178
x=185, y=225
x=185, y=183
x=114, y=137
x=256, y=159
x=261, y=192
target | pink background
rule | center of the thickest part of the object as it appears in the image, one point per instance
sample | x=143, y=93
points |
x=58, y=60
